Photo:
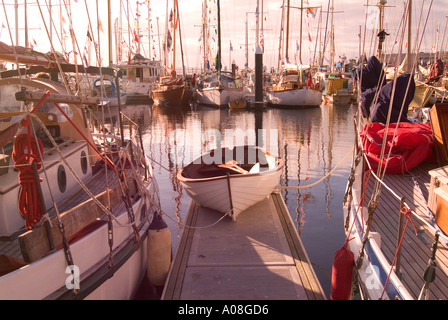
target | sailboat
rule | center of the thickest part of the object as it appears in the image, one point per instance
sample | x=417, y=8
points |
x=335, y=85
x=291, y=89
x=76, y=207
x=218, y=88
x=172, y=90
x=395, y=201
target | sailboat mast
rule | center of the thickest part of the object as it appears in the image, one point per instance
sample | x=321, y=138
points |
x=409, y=37
x=287, y=35
x=218, y=56
x=332, y=48
x=301, y=18
x=281, y=36
x=204, y=32
x=109, y=31
x=247, y=42
x=184, y=72
x=165, y=54
x=27, y=44
x=174, y=35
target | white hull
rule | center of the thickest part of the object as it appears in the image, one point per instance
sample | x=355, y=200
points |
x=234, y=193
x=41, y=279
x=45, y=273
x=295, y=98
x=375, y=266
x=219, y=96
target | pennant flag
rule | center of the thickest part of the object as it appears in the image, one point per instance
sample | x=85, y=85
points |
x=100, y=26
x=89, y=36
x=311, y=11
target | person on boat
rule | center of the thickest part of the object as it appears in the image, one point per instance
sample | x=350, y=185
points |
x=309, y=84
x=193, y=80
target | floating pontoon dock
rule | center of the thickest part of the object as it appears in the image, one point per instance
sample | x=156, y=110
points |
x=260, y=256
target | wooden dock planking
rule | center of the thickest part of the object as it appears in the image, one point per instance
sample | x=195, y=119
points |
x=414, y=248
x=260, y=256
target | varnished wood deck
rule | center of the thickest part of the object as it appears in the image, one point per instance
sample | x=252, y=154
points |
x=260, y=256
x=416, y=249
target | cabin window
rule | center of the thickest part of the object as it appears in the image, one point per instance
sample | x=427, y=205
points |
x=62, y=178
x=84, y=162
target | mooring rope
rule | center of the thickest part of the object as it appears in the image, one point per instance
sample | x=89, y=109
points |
x=320, y=180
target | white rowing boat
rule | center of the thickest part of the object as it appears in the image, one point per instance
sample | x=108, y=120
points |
x=231, y=180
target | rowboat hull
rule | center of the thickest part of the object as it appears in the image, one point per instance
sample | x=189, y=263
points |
x=232, y=194
x=295, y=98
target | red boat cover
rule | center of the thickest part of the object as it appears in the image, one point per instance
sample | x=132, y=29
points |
x=413, y=144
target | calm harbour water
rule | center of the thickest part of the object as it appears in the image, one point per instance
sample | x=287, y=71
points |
x=311, y=141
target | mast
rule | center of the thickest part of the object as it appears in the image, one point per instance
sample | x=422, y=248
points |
x=184, y=73
x=165, y=49
x=325, y=36
x=109, y=31
x=408, y=66
x=218, y=56
x=174, y=35
x=301, y=18
x=247, y=42
x=332, y=38
x=287, y=34
x=281, y=36
x=149, y=32
x=27, y=44
x=204, y=33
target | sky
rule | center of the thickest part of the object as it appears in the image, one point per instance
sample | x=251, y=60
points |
x=349, y=16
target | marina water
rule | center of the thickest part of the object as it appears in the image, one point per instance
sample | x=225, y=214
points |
x=311, y=141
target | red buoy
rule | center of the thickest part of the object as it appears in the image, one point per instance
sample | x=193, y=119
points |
x=342, y=274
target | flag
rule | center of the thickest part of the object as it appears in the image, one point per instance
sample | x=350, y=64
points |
x=89, y=36
x=231, y=47
x=135, y=36
x=311, y=11
x=372, y=18
x=100, y=26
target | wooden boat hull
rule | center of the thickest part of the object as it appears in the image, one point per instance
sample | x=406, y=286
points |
x=240, y=104
x=219, y=96
x=295, y=98
x=232, y=194
x=177, y=95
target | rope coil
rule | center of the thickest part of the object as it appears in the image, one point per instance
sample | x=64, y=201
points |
x=26, y=152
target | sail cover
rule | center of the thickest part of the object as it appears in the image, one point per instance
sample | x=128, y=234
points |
x=413, y=143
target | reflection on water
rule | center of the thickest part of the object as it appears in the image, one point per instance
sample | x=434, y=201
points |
x=311, y=141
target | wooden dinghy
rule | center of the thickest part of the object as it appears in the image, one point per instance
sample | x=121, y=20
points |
x=231, y=180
